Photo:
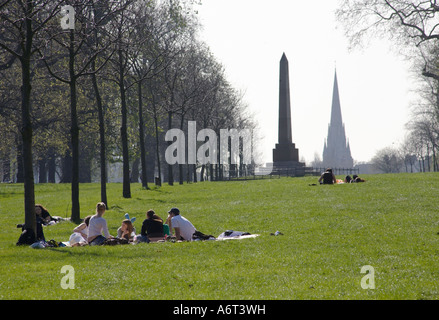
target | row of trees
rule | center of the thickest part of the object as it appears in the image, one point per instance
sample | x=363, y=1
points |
x=412, y=27
x=104, y=86
x=400, y=159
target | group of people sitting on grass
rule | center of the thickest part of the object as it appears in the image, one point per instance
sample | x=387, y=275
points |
x=94, y=230
x=328, y=177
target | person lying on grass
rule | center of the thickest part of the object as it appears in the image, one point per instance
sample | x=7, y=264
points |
x=97, y=226
x=126, y=230
x=356, y=178
x=45, y=216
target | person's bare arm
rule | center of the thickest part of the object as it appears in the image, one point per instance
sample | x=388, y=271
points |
x=169, y=222
x=177, y=233
x=79, y=229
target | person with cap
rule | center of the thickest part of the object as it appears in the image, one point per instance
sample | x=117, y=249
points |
x=183, y=228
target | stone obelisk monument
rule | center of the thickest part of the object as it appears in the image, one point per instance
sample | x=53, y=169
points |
x=285, y=154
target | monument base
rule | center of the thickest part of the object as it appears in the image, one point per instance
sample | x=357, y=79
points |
x=287, y=168
x=285, y=152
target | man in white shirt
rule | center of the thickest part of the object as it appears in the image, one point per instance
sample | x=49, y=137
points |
x=184, y=229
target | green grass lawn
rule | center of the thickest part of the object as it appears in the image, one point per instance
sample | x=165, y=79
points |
x=391, y=223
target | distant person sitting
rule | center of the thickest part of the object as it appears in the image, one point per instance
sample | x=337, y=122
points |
x=327, y=177
x=184, y=229
x=152, y=227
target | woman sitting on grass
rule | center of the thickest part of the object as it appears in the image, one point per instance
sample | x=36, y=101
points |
x=80, y=233
x=152, y=227
x=97, y=226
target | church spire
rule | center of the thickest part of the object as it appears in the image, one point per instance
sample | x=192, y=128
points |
x=336, y=152
x=336, y=118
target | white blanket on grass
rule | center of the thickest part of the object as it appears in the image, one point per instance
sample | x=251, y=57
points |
x=235, y=235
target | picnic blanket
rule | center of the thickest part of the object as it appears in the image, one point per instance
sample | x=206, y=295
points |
x=226, y=235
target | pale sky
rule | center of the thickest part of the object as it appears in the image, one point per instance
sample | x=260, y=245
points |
x=249, y=37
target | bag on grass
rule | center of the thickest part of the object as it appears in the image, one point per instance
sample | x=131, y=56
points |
x=115, y=241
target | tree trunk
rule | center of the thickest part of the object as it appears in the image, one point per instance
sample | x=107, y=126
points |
x=170, y=169
x=42, y=172
x=135, y=171
x=51, y=167
x=66, y=168
x=203, y=167
x=85, y=164
x=142, y=138
x=74, y=132
x=26, y=130
x=102, y=147
x=6, y=170
x=180, y=165
x=123, y=131
x=102, y=143
x=20, y=165
x=157, y=150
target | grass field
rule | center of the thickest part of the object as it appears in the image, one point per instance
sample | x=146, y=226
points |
x=391, y=223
